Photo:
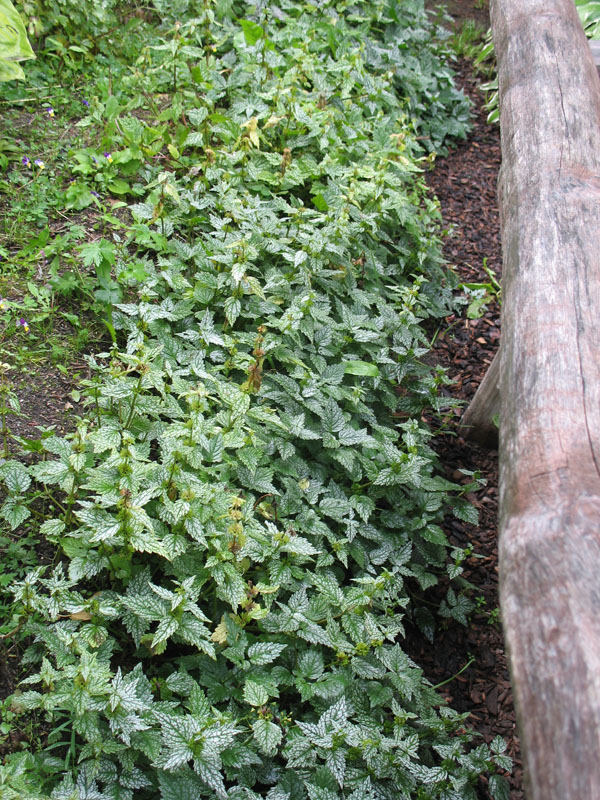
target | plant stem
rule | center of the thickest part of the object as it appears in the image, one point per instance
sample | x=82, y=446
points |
x=460, y=671
x=133, y=399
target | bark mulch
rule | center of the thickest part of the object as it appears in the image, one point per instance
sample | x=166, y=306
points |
x=465, y=184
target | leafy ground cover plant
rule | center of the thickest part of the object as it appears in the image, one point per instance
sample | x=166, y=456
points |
x=14, y=45
x=244, y=509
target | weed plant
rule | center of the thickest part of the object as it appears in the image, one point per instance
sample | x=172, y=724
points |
x=251, y=499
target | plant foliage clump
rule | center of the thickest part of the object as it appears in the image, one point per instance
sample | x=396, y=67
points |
x=252, y=494
x=14, y=45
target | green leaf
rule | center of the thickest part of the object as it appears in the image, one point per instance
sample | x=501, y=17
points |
x=466, y=512
x=262, y=653
x=14, y=513
x=434, y=534
x=14, y=44
x=268, y=735
x=232, y=308
x=208, y=768
x=214, y=449
x=321, y=793
x=105, y=438
x=118, y=186
x=332, y=417
x=240, y=405
x=255, y=693
x=52, y=528
x=166, y=628
x=252, y=31
x=10, y=71
x=361, y=368
x=181, y=785
x=197, y=115
x=95, y=252
x=336, y=763
x=16, y=479
x=49, y=471
x=499, y=787
x=142, y=210
x=300, y=258
x=311, y=664
x=319, y=202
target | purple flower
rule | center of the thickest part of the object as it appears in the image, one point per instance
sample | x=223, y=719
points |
x=86, y=103
x=50, y=111
x=24, y=324
x=108, y=157
x=94, y=194
x=39, y=163
x=94, y=159
x=25, y=161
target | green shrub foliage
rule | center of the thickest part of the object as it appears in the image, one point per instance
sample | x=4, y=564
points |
x=251, y=496
x=80, y=21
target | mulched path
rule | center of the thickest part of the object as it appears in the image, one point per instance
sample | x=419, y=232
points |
x=465, y=183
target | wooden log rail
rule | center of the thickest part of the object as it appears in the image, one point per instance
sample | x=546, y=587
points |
x=548, y=377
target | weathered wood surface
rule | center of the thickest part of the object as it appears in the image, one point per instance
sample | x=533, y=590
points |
x=595, y=48
x=550, y=390
x=478, y=422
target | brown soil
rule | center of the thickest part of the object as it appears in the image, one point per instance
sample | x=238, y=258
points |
x=462, y=10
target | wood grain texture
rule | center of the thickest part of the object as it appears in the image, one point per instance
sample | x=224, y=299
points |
x=550, y=390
